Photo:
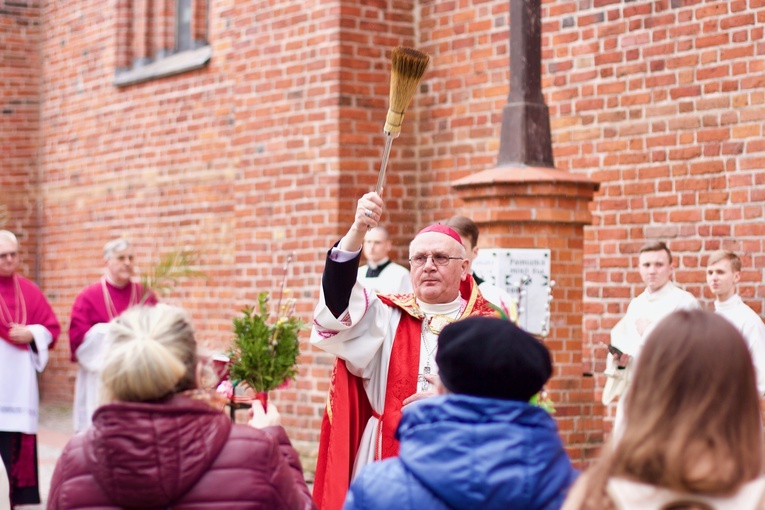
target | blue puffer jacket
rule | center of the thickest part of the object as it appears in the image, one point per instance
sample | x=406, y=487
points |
x=464, y=452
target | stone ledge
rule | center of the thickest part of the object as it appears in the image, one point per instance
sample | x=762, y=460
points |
x=522, y=174
x=175, y=64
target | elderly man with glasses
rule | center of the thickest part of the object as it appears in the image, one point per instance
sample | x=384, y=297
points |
x=385, y=344
x=93, y=309
x=28, y=330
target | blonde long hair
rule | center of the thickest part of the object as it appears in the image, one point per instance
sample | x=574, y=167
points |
x=692, y=419
x=152, y=354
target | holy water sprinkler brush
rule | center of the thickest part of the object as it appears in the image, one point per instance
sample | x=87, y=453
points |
x=408, y=67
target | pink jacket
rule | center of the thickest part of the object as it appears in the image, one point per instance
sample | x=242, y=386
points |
x=180, y=453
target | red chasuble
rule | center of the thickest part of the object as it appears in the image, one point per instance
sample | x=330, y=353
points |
x=348, y=409
x=92, y=307
x=24, y=303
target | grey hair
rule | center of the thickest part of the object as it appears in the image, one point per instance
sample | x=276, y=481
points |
x=151, y=354
x=115, y=245
x=9, y=236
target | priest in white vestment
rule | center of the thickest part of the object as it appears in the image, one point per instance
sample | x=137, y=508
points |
x=386, y=344
x=660, y=298
x=723, y=273
x=380, y=274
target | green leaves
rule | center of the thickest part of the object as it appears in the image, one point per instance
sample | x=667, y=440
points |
x=265, y=355
x=542, y=400
x=172, y=268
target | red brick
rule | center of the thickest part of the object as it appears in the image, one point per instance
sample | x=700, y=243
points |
x=267, y=148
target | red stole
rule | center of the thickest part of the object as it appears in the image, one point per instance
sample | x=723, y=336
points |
x=345, y=417
x=348, y=409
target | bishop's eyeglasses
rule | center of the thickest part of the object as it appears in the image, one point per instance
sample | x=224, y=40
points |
x=439, y=259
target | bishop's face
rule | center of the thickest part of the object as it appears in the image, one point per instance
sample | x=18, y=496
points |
x=433, y=283
x=119, y=267
x=9, y=258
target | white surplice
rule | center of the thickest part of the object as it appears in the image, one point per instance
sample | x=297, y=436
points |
x=751, y=327
x=363, y=336
x=651, y=307
x=393, y=279
x=87, y=386
x=19, y=395
x=5, y=501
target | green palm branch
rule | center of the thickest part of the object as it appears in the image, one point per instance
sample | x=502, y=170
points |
x=172, y=268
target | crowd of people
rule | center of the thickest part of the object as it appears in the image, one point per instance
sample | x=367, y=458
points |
x=434, y=399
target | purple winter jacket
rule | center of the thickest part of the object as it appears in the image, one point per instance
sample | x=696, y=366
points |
x=179, y=453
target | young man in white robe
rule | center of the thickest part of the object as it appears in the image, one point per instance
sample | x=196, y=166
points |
x=723, y=273
x=660, y=298
x=374, y=377
x=380, y=273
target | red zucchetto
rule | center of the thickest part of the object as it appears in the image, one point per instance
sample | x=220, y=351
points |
x=441, y=229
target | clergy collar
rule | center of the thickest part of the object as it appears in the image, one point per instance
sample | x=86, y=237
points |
x=113, y=284
x=375, y=265
x=441, y=308
x=731, y=302
x=666, y=289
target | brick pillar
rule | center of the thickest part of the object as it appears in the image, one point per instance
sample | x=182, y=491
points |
x=546, y=208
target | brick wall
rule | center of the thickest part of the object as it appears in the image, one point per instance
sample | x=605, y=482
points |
x=663, y=103
x=20, y=32
x=266, y=149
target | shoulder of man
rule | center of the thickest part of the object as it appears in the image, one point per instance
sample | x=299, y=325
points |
x=689, y=300
x=87, y=292
x=397, y=267
x=26, y=283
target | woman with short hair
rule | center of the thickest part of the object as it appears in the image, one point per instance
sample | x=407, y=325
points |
x=161, y=443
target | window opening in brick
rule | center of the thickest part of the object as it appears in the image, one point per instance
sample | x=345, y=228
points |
x=158, y=38
x=183, y=34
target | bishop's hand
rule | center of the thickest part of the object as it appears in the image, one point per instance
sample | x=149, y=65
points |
x=369, y=209
x=433, y=384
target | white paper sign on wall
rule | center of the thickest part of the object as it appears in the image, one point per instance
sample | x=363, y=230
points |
x=525, y=274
